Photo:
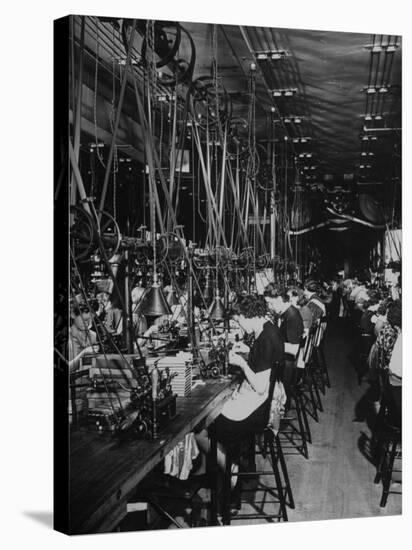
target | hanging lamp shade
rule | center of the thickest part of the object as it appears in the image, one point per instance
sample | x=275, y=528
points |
x=371, y=209
x=154, y=303
x=301, y=213
x=217, y=311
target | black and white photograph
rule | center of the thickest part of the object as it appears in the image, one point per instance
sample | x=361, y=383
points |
x=228, y=288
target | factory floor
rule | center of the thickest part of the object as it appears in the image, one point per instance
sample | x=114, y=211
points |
x=337, y=481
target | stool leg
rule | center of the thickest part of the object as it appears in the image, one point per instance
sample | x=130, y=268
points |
x=213, y=472
x=226, y=491
x=315, y=387
x=278, y=480
x=383, y=447
x=301, y=426
x=284, y=471
x=305, y=420
x=320, y=383
x=387, y=474
x=314, y=411
x=324, y=365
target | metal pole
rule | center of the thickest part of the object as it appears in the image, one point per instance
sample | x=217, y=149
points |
x=117, y=121
x=78, y=115
x=273, y=227
x=226, y=328
x=78, y=177
x=128, y=316
x=190, y=305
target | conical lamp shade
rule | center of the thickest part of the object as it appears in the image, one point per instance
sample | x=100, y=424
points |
x=154, y=302
x=217, y=310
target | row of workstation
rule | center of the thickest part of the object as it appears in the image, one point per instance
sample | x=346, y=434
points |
x=105, y=470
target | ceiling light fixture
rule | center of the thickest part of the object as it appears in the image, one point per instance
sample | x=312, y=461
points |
x=384, y=129
x=373, y=117
x=376, y=89
x=292, y=118
x=376, y=48
x=122, y=61
x=284, y=92
x=96, y=146
x=366, y=137
x=274, y=55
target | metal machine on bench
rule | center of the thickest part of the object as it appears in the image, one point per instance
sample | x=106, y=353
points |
x=126, y=399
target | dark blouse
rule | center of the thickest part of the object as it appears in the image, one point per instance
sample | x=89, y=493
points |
x=267, y=349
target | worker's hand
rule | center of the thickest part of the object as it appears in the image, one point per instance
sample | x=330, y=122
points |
x=151, y=330
x=90, y=350
x=240, y=347
x=235, y=359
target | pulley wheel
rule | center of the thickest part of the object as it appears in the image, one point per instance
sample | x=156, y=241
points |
x=82, y=233
x=109, y=233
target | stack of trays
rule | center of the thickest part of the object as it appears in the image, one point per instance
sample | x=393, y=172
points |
x=112, y=368
x=181, y=366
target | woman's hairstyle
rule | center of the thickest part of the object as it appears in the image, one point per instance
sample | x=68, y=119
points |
x=395, y=314
x=116, y=300
x=298, y=292
x=78, y=309
x=311, y=285
x=373, y=298
x=78, y=305
x=250, y=306
x=383, y=306
x=295, y=291
x=272, y=291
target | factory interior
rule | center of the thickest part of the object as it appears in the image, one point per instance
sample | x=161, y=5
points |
x=229, y=329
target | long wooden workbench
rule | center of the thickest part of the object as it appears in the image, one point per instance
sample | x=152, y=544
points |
x=104, y=471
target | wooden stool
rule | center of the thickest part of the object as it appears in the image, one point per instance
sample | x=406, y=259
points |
x=389, y=445
x=266, y=444
x=295, y=424
x=318, y=363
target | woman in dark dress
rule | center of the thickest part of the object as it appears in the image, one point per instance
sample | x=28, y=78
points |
x=247, y=410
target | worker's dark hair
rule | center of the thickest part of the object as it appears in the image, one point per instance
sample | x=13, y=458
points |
x=395, y=314
x=383, y=306
x=373, y=298
x=79, y=304
x=78, y=309
x=274, y=291
x=311, y=285
x=250, y=306
x=116, y=300
x=295, y=291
